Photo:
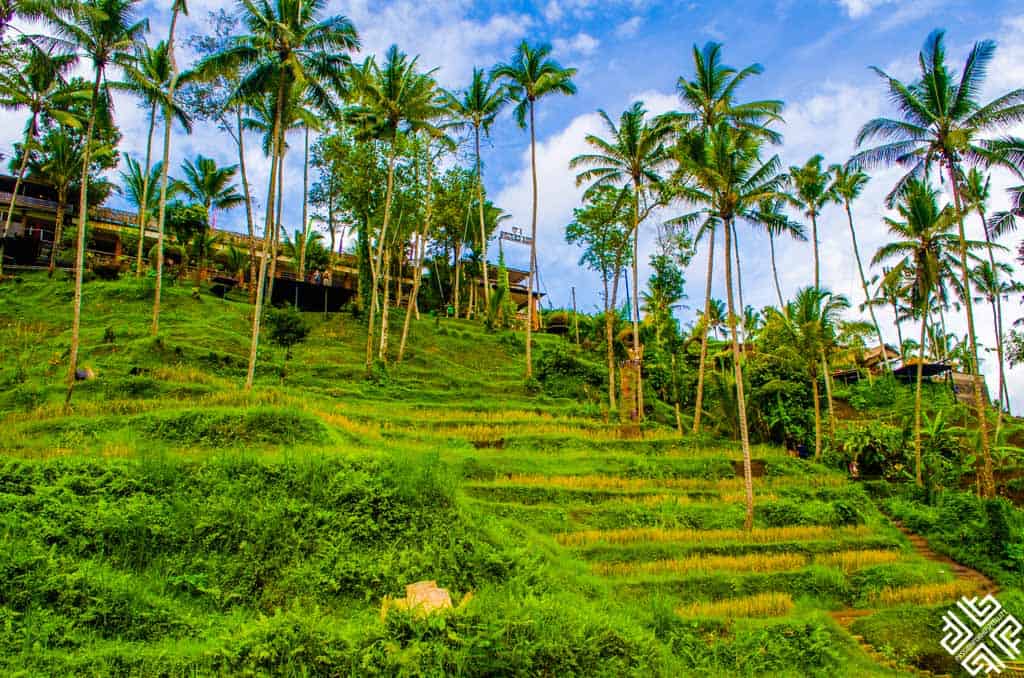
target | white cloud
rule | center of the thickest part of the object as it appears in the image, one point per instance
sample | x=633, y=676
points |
x=859, y=8
x=553, y=11
x=581, y=43
x=629, y=28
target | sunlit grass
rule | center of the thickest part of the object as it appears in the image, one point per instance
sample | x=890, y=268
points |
x=854, y=560
x=760, y=605
x=757, y=562
x=923, y=594
x=632, y=535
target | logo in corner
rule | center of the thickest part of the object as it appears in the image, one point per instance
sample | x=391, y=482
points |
x=981, y=635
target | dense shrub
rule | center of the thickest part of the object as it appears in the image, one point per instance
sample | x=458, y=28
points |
x=218, y=428
x=987, y=534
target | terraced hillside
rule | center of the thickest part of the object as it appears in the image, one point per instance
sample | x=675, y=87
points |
x=171, y=523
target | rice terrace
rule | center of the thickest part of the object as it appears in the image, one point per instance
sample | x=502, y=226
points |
x=511, y=339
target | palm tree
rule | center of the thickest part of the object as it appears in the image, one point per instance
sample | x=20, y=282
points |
x=286, y=43
x=210, y=186
x=811, y=192
x=923, y=237
x=38, y=85
x=975, y=195
x=177, y=7
x=941, y=123
x=775, y=223
x=148, y=76
x=135, y=183
x=478, y=108
x=728, y=180
x=104, y=31
x=812, y=320
x=634, y=154
x=996, y=283
x=708, y=101
x=847, y=184
x=59, y=164
x=532, y=75
x=391, y=101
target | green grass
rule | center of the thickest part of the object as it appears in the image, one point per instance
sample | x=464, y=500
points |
x=171, y=523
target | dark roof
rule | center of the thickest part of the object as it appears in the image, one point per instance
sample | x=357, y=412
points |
x=906, y=372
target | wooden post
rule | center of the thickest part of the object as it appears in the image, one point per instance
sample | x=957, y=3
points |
x=575, y=318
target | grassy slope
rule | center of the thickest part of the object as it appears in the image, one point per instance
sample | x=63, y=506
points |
x=173, y=524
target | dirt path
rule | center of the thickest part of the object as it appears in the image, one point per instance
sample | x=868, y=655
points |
x=845, y=618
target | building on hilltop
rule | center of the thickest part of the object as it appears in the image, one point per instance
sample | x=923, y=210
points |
x=113, y=239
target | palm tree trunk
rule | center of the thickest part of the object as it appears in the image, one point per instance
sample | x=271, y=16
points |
x=62, y=199
x=775, y=271
x=739, y=284
x=636, y=304
x=144, y=199
x=458, y=276
x=168, y=121
x=268, y=229
x=248, y=206
x=421, y=248
x=827, y=374
x=698, y=406
x=814, y=240
x=985, y=476
x=997, y=313
x=275, y=239
x=480, y=205
x=533, y=247
x=864, y=285
x=917, y=404
x=305, y=206
x=83, y=219
x=382, y=350
x=376, y=263
x=609, y=339
x=817, y=416
x=741, y=401
x=25, y=152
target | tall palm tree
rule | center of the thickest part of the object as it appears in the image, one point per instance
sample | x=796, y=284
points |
x=37, y=84
x=478, y=107
x=59, y=163
x=532, y=75
x=812, y=320
x=105, y=32
x=923, y=237
x=975, y=195
x=286, y=42
x=941, y=123
x=634, y=153
x=995, y=283
x=709, y=99
x=148, y=77
x=178, y=7
x=210, y=186
x=811, y=192
x=774, y=221
x=134, y=185
x=847, y=184
x=727, y=181
x=390, y=101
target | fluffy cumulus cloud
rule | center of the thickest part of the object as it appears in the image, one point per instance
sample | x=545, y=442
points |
x=582, y=43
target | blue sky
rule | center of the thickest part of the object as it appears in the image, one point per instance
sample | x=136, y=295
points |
x=815, y=54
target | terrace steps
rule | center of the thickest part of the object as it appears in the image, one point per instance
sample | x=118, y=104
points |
x=846, y=617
